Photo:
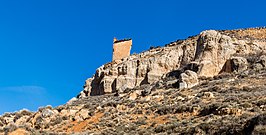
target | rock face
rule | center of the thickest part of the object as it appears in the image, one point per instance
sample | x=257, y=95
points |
x=238, y=64
x=213, y=83
x=136, y=70
x=207, y=52
x=213, y=49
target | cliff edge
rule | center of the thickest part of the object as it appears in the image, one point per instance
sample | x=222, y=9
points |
x=205, y=54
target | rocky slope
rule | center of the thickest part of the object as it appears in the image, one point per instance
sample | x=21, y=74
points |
x=212, y=83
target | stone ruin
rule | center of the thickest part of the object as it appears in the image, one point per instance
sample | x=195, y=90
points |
x=121, y=48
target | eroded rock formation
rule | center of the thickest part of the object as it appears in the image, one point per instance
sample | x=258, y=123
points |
x=213, y=83
x=208, y=53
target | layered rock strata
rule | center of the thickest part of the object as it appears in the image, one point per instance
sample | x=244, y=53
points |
x=206, y=54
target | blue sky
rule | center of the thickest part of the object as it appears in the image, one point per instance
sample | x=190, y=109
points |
x=48, y=48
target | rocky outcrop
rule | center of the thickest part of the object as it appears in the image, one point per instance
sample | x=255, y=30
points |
x=213, y=83
x=213, y=49
x=228, y=103
x=237, y=64
x=205, y=54
x=145, y=68
x=188, y=79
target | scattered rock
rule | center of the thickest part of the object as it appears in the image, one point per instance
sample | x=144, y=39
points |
x=230, y=111
x=133, y=96
x=208, y=95
x=47, y=113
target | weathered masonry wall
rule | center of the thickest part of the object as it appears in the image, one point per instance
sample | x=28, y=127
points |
x=121, y=49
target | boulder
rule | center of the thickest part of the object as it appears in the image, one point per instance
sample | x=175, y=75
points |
x=239, y=64
x=47, y=113
x=188, y=79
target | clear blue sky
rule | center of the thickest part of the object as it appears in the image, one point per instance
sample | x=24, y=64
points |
x=49, y=47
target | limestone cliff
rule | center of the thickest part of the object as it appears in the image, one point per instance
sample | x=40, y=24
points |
x=205, y=54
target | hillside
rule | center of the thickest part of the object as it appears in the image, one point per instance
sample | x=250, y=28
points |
x=211, y=83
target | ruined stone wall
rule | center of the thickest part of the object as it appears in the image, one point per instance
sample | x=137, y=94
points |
x=121, y=49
